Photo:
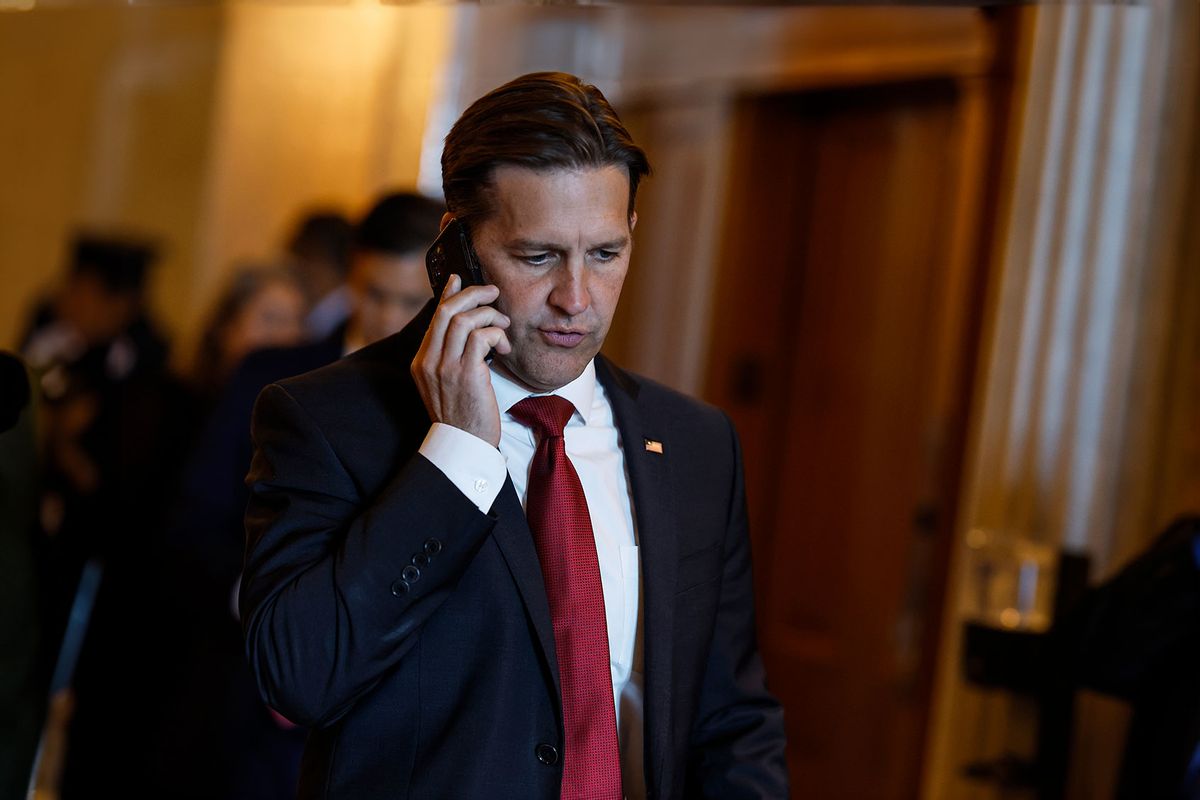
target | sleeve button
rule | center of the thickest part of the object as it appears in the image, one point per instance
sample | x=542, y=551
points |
x=420, y=560
x=547, y=754
x=410, y=574
x=432, y=547
x=400, y=588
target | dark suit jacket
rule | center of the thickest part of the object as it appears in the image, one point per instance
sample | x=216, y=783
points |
x=448, y=688
x=1137, y=636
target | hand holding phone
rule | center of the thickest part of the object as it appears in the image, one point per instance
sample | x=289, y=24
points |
x=450, y=368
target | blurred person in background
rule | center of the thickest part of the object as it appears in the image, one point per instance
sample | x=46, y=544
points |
x=260, y=307
x=22, y=692
x=95, y=330
x=113, y=419
x=100, y=364
x=217, y=730
x=322, y=249
x=387, y=286
x=388, y=283
x=1137, y=637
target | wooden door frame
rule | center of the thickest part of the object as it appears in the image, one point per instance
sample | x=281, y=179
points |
x=985, y=124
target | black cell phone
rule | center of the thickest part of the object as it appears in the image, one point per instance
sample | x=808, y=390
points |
x=452, y=254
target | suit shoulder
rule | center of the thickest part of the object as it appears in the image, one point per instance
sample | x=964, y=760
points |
x=675, y=409
x=660, y=393
x=368, y=382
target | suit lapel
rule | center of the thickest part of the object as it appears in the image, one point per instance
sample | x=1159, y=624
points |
x=647, y=457
x=515, y=540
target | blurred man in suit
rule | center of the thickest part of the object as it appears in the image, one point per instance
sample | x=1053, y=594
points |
x=387, y=287
x=112, y=417
x=322, y=250
x=218, y=731
x=482, y=560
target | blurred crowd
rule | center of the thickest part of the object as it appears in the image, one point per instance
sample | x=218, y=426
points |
x=113, y=463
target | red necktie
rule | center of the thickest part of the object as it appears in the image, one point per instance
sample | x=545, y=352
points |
x=562, y=532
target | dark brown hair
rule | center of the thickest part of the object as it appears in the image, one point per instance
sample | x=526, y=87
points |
x=544, y=120
x=400, y=223
x=324, y=236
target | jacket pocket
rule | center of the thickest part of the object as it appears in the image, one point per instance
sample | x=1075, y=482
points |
x=700, y=567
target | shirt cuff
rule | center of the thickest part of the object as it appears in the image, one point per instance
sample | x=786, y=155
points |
x=471, y=464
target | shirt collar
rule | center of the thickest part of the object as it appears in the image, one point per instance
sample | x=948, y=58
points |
x=579, y=392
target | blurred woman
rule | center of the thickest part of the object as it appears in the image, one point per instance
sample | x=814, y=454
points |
x=261, y=306
x=211, y=724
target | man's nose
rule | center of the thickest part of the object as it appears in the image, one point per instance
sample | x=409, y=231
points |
x=570, y=293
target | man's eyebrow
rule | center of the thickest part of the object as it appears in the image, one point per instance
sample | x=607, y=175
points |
x=615, y=244
x=534, y=245
x=531, y=244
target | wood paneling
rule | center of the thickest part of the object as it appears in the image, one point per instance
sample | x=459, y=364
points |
x=844, y=337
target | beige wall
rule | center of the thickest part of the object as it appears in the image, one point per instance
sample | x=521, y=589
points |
x=207, y=127
x=105, y=113
x=320, y=104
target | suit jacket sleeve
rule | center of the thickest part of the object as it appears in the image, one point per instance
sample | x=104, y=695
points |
x=737, y=745
x=325, y=613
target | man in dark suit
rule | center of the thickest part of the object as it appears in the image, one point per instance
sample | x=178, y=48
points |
x=482, y=560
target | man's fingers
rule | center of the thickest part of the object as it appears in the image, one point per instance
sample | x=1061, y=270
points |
x=467, y=299
x=463, y=324
x=503, y=347
x=453, y=303
x=481, y=341
x=446, y=368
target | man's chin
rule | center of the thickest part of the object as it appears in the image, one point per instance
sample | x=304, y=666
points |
x=546, y=375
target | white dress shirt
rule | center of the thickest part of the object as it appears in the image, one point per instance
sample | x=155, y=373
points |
x=593, y=445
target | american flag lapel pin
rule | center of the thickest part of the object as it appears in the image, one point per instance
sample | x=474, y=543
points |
x=653, y=446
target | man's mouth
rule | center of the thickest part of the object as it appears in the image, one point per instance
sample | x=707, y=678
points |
x=562, y=337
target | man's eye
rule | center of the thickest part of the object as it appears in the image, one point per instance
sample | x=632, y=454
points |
x=605, y=255
x=538, y=259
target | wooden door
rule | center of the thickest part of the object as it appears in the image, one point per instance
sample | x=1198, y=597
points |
x=843, y=338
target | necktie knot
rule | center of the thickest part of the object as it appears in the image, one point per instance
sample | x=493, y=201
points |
x=546, y=415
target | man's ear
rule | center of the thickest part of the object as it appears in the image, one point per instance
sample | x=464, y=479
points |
x=445, y=221
x=632, y=221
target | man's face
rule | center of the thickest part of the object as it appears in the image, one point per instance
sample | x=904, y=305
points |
x=557, y=245
x=388, y=291
x=273, y=317
x=97, y=313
